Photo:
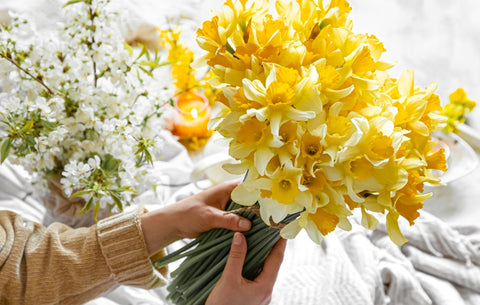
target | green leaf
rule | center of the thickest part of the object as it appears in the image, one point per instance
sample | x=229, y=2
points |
x=229, y=48
x=147, y=54
x=148, y=156
x=118, y=201
x=30, y=141
x=5, y=149
x=27, y=127
x=110, y=164
x=49, y=125
x=72, y=2
x=143, y=52
x=125, y=188
x=80, y=193
x=146, y=71
x=165, y=63
x=97, y=208
x=86, y=207
x=129, y=48
x=151, y=64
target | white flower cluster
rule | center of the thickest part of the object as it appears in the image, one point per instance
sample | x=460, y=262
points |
x=80, y=106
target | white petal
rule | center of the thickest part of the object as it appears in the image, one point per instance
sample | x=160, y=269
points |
x=339, y=94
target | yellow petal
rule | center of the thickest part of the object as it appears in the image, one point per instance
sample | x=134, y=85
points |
x=325, y=222
x=245, y=196
x=359, y=168
x=394, y=230
x=369, y=221
x=284, y=190
x=313, y=232
x=254, y=90
x=261, y=158
x=437, y=160
x=291, y=230
x=252, y=132
x=405, y=83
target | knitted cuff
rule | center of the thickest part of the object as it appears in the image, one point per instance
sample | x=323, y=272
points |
x=123, y=246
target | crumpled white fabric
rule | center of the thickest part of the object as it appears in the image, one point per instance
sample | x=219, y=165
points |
x=439, y=265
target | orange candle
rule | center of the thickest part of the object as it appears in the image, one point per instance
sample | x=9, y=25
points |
x=193, y=115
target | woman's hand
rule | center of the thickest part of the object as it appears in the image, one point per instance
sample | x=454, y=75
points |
x=190, y=217
x=233, y=289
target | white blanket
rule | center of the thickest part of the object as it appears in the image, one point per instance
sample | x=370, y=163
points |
x=439, y=265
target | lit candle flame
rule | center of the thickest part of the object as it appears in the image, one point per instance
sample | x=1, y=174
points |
x=194, y=113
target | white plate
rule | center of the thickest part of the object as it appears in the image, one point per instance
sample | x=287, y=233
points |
x=461, y=158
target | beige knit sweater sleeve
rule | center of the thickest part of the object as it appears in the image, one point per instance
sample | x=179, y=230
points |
x=61, y=265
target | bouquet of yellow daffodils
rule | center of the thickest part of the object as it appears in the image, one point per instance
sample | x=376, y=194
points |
x=318, y=125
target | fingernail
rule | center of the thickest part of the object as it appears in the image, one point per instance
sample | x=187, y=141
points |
x=237, y=239
x=244, y=224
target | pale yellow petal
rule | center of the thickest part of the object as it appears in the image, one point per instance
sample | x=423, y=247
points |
x=262, y=156
x=369, y=221
x=255, y=91
x=244, y=196
x=394, y=230
x=405, y=83
x=219, y=111
x=313, y=232
x=291, y=230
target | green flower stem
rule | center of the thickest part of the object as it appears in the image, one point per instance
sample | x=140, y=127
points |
x=217, y=260
x=203, y=280
x=251, y=268
x=174, y=256
x=202, y=267
x=260, y=238
x=187, y=276
x=210, y=250
x=203, y=294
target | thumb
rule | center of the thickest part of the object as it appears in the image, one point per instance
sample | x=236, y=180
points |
x=234, y=266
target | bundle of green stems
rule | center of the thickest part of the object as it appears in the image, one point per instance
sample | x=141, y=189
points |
x=206, y=257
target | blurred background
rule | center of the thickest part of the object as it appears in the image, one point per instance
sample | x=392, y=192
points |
x=438, y=39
